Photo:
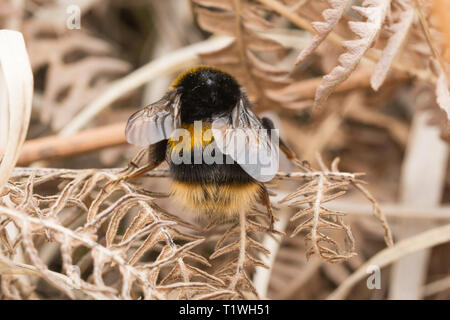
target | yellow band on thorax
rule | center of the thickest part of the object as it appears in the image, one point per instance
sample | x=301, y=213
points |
x=193, y=135
x=195, y=69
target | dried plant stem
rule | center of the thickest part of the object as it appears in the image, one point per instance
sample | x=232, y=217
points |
x=71, y=173
x=173, y=62
x=242, y=47
x=261, y=279
x=436, y=287
x=422, y=183
x=385, y=257
x=393, y=210
x=442, y=9
x=316, y=215
x=85, y=141
x=165, y=173
x=313, y=175
x=426, y=31
x=242, y=250
x=15, y=21
x=297, y=20
x=379, y=214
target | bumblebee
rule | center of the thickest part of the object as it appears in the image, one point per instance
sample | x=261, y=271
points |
x=215, y=117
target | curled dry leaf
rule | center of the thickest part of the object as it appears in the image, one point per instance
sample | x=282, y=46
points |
x=400, y=31
x=16, y=91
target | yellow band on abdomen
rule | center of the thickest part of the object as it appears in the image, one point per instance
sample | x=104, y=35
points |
x=222, y=202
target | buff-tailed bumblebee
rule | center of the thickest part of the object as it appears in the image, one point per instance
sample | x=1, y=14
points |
x=219, y=152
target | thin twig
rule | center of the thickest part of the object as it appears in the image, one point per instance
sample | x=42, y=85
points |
x=167, y=64
x=242, y=250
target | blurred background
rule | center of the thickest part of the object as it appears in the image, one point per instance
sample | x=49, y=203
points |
x=96, y=62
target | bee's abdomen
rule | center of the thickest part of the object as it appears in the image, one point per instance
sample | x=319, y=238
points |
x=220, y=190
x=218, y=201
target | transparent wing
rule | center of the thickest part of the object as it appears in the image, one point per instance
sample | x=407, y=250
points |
x=243, y=137
x=155, y=122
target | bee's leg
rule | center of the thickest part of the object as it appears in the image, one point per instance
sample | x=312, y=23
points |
x=132, y=175
x=157, y=153
x=268, y=124
x=288, y=152
x=133, y=164
x=137, y=173
x=266, y=201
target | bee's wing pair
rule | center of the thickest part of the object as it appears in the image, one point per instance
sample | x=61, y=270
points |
x=243, y=137
x=155, y=122
x=240, y=135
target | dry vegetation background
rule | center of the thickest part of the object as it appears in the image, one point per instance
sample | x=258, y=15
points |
x=362, y=84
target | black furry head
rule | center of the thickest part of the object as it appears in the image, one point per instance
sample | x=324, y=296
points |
x=206, y=92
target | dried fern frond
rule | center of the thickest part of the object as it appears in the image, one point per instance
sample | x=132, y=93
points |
x=128, y=238
x=67, y=240
x=244, y=21
x=66, y=56
x=240, y=245
x=332, y=17
x=316, y=219
x=374, y=11
x=89, y=213
x=391, y=50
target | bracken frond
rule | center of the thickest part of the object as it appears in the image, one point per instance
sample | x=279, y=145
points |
x=316, y=220
x=332, y=16
x=375, y=13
